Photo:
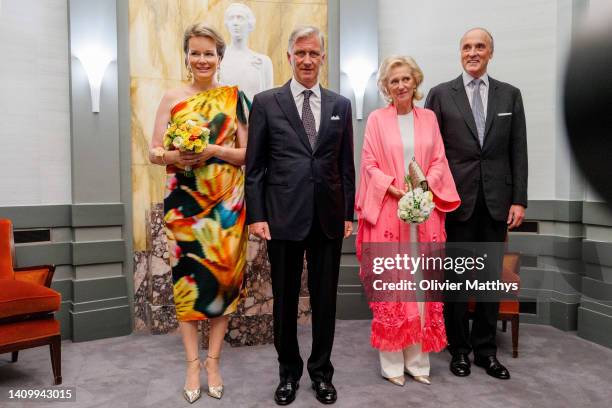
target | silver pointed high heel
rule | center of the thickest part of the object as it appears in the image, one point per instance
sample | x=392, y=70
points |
x=423, y=379
x=214, y=391
x=192, y=396
x=400, y=381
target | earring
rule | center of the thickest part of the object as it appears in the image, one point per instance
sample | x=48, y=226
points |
x=218, y=75
x=189, y=74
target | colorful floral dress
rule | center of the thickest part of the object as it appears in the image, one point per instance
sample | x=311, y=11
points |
x=205, y=214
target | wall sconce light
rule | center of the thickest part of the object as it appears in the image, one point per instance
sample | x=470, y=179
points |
x=359, y=72
x=94, y=60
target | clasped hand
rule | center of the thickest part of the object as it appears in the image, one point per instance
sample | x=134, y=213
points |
x=397, y=192
x=188, y=158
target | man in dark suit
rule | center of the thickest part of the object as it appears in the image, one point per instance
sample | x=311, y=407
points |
x=300, y=193
x=482, y=122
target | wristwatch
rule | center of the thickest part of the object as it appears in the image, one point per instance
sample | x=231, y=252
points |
x=159, y=152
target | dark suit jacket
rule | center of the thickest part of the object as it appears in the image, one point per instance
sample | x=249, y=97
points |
x=501, y=164
x=286, y=179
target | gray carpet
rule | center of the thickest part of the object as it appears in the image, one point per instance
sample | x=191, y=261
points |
x=554, y=369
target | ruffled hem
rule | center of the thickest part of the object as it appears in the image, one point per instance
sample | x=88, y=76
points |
x=432, y=336
x=434, y=332
x=389, y=338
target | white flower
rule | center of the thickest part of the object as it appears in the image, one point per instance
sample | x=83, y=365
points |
x=190, y=122
x=415, y=206
x=177, y=142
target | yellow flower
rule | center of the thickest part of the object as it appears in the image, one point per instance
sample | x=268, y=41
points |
x=183, y=126
x=196, y=131
x=167, y=142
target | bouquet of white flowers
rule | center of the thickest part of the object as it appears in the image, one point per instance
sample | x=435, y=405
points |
x=416, y=205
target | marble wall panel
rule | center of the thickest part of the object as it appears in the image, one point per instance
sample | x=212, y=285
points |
x=146, y=93
x=147, y=188
x=155, y=39
x=210, y=12
x=141, y=290
x=301, y=14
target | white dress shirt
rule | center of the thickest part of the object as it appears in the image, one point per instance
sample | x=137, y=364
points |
x=484, y=89
x=315, y=99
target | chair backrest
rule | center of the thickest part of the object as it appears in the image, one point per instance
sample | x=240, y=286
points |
x=512, y=267
x=7, y=249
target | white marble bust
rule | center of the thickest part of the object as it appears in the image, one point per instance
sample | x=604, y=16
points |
x=241, y=66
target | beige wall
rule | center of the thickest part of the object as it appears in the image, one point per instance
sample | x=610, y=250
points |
x=156, y=64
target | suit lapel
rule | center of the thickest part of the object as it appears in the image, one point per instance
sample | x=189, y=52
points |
x=491, y=108
x=327, y=105
x=287, y=104
x=463, y=103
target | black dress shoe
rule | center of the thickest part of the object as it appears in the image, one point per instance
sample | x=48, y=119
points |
x=285, y=392
x=325, y=391
x=460, y=365
x=494, y=368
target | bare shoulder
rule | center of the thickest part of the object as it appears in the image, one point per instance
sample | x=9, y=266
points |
x=173, y=96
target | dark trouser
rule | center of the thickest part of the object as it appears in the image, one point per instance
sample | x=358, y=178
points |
x=286, y=262
x=480, y=227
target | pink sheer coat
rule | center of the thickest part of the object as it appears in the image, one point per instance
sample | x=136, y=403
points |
x=396, y=325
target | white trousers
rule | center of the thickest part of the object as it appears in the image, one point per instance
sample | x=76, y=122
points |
x=412, y=359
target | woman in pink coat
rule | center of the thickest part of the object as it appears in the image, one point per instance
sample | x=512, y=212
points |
x=404, y=332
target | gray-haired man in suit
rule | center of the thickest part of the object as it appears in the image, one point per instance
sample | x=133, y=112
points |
x=300, y=194
x=482, y=121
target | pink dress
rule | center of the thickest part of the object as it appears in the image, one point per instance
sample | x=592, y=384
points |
x=397, y=325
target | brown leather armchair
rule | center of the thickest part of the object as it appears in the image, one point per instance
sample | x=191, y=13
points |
x=27, y=305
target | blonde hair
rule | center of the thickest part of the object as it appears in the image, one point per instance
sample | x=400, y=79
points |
x=202, y=30
x=397, y=61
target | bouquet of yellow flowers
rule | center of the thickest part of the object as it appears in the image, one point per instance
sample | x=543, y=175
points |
x=189, y=136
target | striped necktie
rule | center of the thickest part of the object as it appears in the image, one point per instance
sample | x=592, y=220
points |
x=478, y=110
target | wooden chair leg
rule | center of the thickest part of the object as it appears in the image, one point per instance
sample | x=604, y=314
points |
x=55, y=348
x=515, y=335
x=504, y=325
x=14, y=356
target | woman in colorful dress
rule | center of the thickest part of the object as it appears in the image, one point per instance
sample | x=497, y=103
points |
x=403, y=331
x=204, y=203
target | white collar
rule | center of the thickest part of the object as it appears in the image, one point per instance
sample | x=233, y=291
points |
x=467, y=78
x=297, y=88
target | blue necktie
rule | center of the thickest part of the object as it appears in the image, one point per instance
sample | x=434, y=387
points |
x=478, y=110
